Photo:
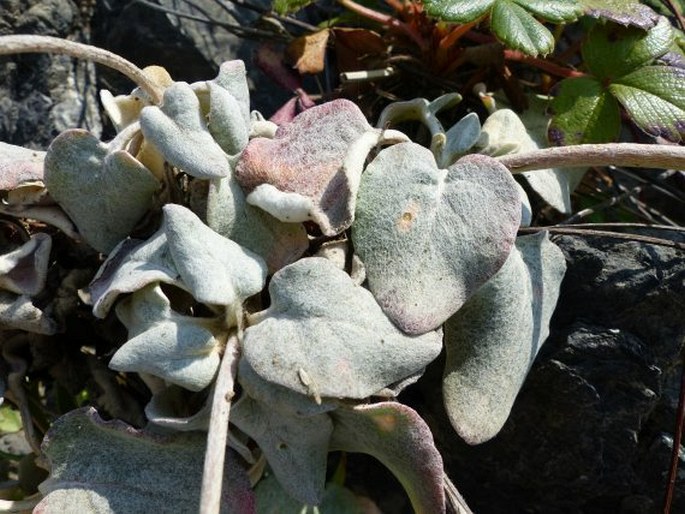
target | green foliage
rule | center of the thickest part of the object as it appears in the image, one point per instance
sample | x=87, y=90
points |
x=624, y=67
x=284, y=7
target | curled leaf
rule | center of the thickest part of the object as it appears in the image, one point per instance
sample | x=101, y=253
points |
x=323, y=336
x=492, y=340
x=430, y=237
x=23, y=271
x=18, y=312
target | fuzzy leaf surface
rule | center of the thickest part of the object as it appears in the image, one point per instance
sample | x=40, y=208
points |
x=19, y=166
x=18, y=312
x=430, y=237
x=108, y=467
x=398, y=437
x=324, y=336
x=654, y=96
x=492, y=340
x=310, y=170
x=179, y=132
x=179, y=349
x=24, y=270
x=104, y=193
x=296, y=447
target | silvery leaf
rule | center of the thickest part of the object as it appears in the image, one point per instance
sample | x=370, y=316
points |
x=23, y=271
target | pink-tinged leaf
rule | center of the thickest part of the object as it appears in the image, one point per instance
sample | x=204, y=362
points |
x=104, y=192
x=323, y=336
x=23, y=271
x=430, y=237
x=108, y=467
x=398, y=437
x=296, y=447
x=21, y=173
x=492, y=340
x=269, y=59
x=310, y=170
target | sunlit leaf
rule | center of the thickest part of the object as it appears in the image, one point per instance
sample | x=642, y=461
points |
x=324, y=336
x=492, y=340
x=416, y=226
x=108, y=467
x=104, y=192
x=398, y=437
x=625, y=12
x=18, y=312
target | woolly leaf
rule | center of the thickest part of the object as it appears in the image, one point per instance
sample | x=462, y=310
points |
x=226, y=124
x=17, y=312
x=232, y=77
x=654, y=96
x=416, y=227
x=106, y=467
x=179, y=132
x=175, y=408
x=104, y=192
x=323, y=336
x=310, y=170
x=21, y=175
x=296, y=447
x=180, y=349
x=492, y=340
x=23, y=271
x=228, y=213
x=398, y=437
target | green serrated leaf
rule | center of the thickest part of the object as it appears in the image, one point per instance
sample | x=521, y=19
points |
x=612, y=50
x=584, y=112
x=625, y=12
x=285, y=7
x=557, y=11
x=517, y=29
x=654, y=96
x=461, y=11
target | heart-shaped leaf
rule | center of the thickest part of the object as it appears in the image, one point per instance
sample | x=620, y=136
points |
x=17, y=312
x=310, y=170
x=179, y=132
x=23, y=271
x=183, y=252
x=104, y=192
x=108, y=467
x=179, y=349
x=229, y=214
x=296, y=447
x=429, y=237
x=323, y=336
x=398, y=437
x=492, y=340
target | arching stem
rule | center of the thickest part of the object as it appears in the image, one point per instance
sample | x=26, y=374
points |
x=20, y=44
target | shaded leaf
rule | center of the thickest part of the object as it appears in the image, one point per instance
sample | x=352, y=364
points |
x=180, y=349
x=284, y=7
x=461, y=137
x=229, y=214
x=323, y=336
x=398, y=437
x=18, y=312
x=625, y=12
x=584, y=112
x=654, y=96
x=611, y=50
x=308, y=52
x=24, y=270
x=179, y=132
x=107, y=466
x=104, y=192
x=310, y=170
x=430, y=219
x=492, y=340
x=171, y=408
x=296, y=447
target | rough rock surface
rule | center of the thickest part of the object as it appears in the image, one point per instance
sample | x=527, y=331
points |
x=591, y=431
x=42, y=95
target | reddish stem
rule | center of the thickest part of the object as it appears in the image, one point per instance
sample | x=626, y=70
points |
x=542, y=64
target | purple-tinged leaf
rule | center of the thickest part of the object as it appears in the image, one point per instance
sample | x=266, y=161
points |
x=430, y=237
x=625, y=12
x=108, y=467
x=104, y=192
x=398, y=437
x=23, y=271
x=179, y=132
x=324, y=336
x=492, y=340
x=310, y=170
x=296, y=447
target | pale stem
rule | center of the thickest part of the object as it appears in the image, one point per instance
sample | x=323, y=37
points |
x=24, y=43
x=616, y=154
x=213, y=472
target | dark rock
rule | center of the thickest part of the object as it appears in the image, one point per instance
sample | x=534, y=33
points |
x=42, y=95
x=591, y=429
